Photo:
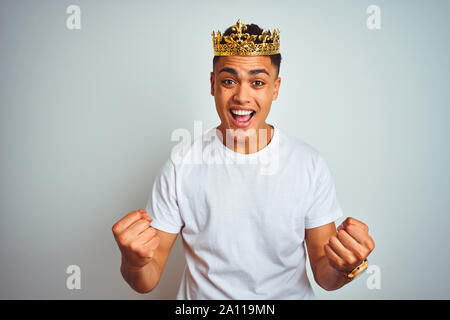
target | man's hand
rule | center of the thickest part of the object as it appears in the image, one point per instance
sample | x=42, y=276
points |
x=350, y=246
x=136, y=239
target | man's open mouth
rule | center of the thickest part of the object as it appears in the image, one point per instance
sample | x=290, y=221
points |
x=241, y=116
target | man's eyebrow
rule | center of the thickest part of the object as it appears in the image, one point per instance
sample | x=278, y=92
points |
x=251, y=72
x=230, y=70
x=256, y=71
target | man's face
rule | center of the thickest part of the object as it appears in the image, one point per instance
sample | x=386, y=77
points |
x=244, y=88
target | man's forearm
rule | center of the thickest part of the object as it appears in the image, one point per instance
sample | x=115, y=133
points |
x=142, y=280
x=328, y=277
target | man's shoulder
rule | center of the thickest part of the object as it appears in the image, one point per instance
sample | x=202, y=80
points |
x=296, y=145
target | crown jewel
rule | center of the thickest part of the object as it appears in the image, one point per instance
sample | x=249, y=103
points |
x=243, y=44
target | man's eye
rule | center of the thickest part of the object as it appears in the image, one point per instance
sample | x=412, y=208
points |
x=258, y=83
x=227, y=81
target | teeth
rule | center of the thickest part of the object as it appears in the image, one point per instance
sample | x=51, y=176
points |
x=241, y=112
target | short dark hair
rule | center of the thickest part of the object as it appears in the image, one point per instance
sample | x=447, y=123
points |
x=253, y=29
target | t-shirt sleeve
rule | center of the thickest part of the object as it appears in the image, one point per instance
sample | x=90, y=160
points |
x=323, y=206
x=162, y=204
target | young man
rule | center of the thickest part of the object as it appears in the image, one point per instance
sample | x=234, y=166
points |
x=244, y=229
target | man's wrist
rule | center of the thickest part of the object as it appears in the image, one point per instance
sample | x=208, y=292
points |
x=328, y=276
x=144, y=278
x=352, y=274
x=126, y=266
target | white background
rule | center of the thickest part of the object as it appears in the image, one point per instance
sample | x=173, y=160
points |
x=86, y=118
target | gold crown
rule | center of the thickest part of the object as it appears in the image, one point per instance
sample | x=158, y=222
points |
x=243, y=44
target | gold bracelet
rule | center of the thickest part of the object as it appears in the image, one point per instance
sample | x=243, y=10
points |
x=363, y=266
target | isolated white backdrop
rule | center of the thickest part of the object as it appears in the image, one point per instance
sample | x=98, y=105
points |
x=86, y=119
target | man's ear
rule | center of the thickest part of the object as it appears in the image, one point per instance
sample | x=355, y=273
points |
x=212, y=83
x=276, y=88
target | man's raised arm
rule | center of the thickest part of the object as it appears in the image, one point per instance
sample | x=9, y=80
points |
x=144, y=250
x=335, y=253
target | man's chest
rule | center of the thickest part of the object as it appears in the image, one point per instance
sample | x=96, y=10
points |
x=242, y=201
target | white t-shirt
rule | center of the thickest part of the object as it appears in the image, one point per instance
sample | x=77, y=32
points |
x=242, y=217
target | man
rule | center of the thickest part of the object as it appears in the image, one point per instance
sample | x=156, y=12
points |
x=244, y=229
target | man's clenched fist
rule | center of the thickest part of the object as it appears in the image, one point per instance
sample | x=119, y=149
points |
x=350, y=246
x=136, y=239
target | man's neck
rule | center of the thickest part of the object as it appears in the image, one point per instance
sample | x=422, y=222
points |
x=253, y=141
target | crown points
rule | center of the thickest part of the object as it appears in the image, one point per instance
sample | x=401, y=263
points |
x=243, y=44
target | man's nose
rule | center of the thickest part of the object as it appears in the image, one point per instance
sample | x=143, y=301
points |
x=242, y=94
